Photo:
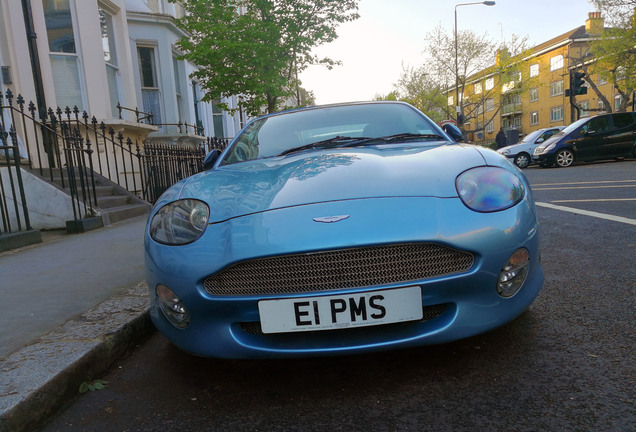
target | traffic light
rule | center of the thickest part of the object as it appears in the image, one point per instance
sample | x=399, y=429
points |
x=578, y=84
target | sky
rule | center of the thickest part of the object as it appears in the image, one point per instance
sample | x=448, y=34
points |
x=392, y=33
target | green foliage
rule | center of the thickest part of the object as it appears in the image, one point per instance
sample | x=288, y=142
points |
x=420, y=88
x=615, y=50
x=256, y=48
x=92, y=385
x=476, y=61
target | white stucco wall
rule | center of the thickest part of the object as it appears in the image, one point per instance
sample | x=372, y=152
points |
x=49, y=207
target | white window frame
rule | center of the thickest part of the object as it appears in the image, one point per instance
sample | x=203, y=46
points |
x=489, y=84
x=533, y=94
x=490, y=127
x=534, y=70
x=556, y=63
x=600, y=104
x=534, y=118
x=77, y=55
x=556, y=88
x=158, y=119
x=556, y=114
x=178, y=87
x=477, y=88
x=112, y=66
x=585, y=108
x=618, y=99
x=489, y=104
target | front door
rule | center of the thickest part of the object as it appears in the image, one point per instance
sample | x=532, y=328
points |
x=623, y=136
x=594, y=138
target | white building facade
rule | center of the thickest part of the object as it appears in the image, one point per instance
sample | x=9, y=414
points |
x=96, y=54
x=117, y=61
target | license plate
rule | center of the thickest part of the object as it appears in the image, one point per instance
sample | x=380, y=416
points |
x=341, y=311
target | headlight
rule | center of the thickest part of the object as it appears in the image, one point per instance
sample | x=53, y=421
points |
x=544, y=148
x=504, y=152
x=489, y=189
x=172, y=307
x=180, y=222
x=514, y=273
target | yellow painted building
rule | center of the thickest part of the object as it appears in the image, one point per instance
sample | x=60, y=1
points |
x=536, y=97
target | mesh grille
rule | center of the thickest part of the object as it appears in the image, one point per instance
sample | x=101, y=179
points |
x=338, y=269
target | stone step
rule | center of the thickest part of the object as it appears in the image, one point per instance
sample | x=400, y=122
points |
x=104, y=202
x=103, y=190
x=116, y=214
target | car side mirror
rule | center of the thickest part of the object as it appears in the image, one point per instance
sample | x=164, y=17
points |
x=590, y=132
x=210, y=159
x=453, y=131
x=539, y=141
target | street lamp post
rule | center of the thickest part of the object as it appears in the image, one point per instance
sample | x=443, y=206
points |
x=460, y=108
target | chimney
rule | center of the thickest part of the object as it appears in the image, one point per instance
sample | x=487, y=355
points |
x=594, y=23
x=502, y=55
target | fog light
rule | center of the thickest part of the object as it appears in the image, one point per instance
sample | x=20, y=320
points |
x=514, y=273
x=172, y=307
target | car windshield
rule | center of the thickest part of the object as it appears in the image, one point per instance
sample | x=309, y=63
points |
x=332, y=126
x=531, y=136
x=573, y=126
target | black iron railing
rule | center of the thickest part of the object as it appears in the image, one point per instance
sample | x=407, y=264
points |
x=140, y=116
x=183, y=127
x=14, y=210
x=69, y=147
x=165, y=164
x=60, y=152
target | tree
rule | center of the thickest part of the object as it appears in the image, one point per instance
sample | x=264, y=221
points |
x=615, y=50
x=617, y=13
x=507, y=73
x=256, y=48
x=474, y=53
x=419, y=87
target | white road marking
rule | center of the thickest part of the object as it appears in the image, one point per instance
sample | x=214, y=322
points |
x=596, y=200
x=580, y=183
x=589, y=213
x=584, y=187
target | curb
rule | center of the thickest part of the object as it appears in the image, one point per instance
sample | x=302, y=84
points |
x=40, y=377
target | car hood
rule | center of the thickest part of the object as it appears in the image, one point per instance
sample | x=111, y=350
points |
x=333, y=175
x=513, y=148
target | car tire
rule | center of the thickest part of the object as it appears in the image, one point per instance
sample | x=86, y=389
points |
x=522, y=160
x=564, y=158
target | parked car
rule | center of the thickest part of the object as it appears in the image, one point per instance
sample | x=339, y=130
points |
x=603, y=136
x=341, y=229
x=521, y=153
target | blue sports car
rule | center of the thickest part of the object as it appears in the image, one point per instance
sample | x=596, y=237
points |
x=341, y=229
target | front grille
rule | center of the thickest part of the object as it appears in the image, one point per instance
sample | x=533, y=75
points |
x=428, y=313
x=338, y=269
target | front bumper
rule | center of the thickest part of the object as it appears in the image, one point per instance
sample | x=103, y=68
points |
x=545, y=158
x=460, y=305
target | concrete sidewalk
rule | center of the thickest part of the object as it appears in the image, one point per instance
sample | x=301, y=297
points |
x=69, y=308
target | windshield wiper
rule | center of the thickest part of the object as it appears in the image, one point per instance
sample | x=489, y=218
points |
x=400, y=136
x=396, y=137
x=347, y=141
x=336, y=141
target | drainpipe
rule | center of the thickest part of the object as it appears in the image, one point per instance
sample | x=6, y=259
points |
x=33, y=52
x=37, y=75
